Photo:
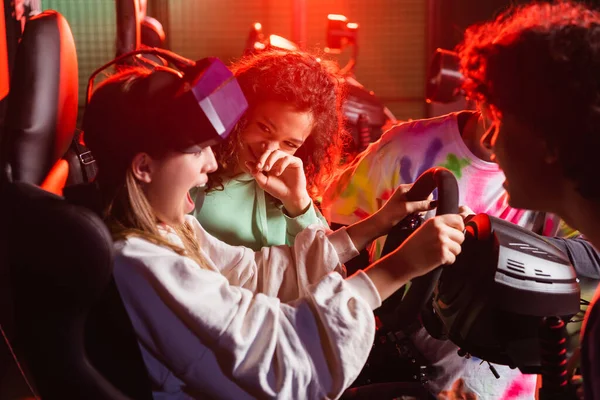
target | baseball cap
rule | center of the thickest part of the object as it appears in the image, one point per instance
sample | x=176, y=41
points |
x=138, y=110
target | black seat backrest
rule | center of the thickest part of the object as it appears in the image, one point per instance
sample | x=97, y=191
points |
x=60, y=259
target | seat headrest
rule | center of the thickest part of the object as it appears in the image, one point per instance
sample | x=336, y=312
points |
x=43, y=99
x=152, y=33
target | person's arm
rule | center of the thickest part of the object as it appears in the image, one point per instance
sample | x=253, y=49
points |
x=313, y=255
x=295, y=225
x=282, y=271
x=582, y=254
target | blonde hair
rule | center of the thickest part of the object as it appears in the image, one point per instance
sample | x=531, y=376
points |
x=130, y=214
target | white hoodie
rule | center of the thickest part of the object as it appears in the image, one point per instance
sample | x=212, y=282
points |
x=278, y=323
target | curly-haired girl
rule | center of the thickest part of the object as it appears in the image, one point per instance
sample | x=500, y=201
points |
x=294, y=129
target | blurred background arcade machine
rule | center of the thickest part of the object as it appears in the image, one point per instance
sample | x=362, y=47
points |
x=396, y=39
x=391, y=60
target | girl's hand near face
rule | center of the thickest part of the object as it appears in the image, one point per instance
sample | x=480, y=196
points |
x=282, y=176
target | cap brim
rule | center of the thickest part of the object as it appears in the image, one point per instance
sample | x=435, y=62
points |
x=198, y=147
x=193, y=149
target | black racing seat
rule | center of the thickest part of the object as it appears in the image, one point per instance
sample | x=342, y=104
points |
x=60, y=259
x=36, y=131
x=66, y=305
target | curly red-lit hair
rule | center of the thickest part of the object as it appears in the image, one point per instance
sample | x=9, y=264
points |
x=308, y=83
x=540, y=63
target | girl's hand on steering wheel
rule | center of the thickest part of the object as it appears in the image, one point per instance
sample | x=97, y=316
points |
x=437, y=242
x=398, y=207
x=282, y=176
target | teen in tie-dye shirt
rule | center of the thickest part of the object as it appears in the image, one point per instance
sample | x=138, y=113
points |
x=400, y=156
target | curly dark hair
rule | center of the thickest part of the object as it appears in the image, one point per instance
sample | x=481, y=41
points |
x=308, y=83
x=541, y=63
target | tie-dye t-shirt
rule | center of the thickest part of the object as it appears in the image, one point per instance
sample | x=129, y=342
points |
x=400, y=156
x=405, y=152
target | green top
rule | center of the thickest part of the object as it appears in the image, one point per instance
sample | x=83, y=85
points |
x=245, y=215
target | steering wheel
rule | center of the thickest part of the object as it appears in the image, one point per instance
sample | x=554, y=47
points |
x=479, y=305
x=421, y=288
